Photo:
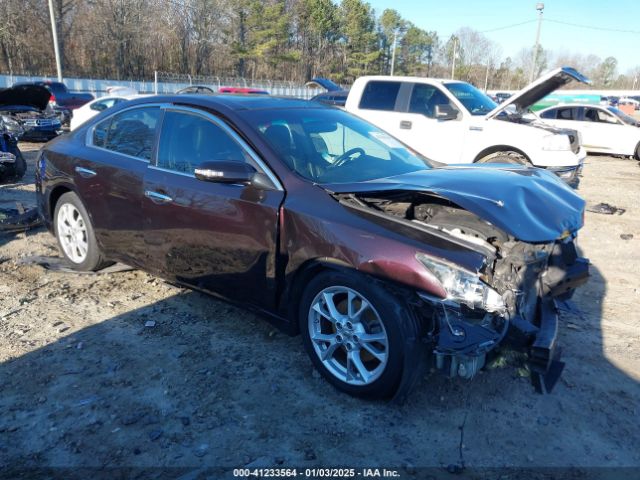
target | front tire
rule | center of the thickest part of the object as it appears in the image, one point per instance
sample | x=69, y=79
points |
x=351, y=331
x=76, y=238
x=509, y=157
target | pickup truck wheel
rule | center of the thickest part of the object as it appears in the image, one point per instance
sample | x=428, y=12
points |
x=351, y=331
x=637, y=154
x=510, y=157
x=75, y=235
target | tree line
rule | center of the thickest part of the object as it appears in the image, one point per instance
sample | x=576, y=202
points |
x=291, y=40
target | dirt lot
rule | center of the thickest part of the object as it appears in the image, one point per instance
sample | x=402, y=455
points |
x=86, y=384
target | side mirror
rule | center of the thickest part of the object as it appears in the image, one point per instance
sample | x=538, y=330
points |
x=446, y=112
x=225, y=172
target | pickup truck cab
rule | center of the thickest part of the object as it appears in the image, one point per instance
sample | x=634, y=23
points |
x=453, y=122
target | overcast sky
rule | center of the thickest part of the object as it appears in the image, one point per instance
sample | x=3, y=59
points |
x=446, y=17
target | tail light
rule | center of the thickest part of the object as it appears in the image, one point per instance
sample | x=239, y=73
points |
x=52, y=99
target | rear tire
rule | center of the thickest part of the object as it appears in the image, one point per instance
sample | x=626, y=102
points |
x=76, y=238
x=351, y=330
x=637, y=154
x=510, y=157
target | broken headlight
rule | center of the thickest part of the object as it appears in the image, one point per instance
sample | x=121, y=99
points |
x=462, y=286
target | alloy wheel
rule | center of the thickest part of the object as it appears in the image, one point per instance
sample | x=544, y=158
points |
x=72, y=232
x=348, y=335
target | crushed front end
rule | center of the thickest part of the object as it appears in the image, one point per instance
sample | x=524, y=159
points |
x=516, y=305
x=510, y=300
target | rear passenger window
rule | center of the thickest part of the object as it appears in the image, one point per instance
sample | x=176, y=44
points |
x=380, y=95
x=188, y=140
x=424, y=99
x=567, y=114
x=548, y=114
x=131, y=132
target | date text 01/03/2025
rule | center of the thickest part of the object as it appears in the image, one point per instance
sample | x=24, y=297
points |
x=315, y=472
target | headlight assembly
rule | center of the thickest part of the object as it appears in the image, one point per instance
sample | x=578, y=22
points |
x=9, y=123
x=556, y=142
x=462, y=286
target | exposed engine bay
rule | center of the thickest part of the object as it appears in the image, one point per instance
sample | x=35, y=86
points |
x=523, y=278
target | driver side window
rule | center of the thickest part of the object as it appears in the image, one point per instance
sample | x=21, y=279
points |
x=424, y=99
x=331, y=145
x=187, y=140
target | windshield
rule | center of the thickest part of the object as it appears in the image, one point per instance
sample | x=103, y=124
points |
x=327, y=145
x=473, y=99
x=623, y=116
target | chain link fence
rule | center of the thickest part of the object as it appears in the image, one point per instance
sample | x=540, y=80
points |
x=168, y=83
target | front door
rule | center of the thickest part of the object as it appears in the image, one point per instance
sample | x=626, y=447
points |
x=214, y=236
x=418, y=127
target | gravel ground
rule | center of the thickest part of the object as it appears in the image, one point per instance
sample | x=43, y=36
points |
x=86, y=381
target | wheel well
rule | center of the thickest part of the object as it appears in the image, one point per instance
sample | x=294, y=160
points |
x=55, y=196
x=295, y=285
x=500, y=148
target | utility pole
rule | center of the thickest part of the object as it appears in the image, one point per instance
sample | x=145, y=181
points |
x=453, y=63
x=56, y=48
x=393, y=53
x=486, y=76
x=540, y=8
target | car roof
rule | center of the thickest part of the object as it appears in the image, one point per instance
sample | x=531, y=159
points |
x=229, y=101
x=397, y=78
x=570, y=105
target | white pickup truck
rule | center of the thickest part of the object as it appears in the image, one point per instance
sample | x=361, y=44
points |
x=452, y=122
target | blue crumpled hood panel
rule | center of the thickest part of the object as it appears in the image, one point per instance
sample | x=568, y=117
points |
x=531, y=204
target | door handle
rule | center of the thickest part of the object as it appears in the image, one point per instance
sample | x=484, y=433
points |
x=405, y=124
x=156, y=197
x=85, y=172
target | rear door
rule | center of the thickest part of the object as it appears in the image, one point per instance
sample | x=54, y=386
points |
x=109, y=176
x=380, y=104
x=214, y=236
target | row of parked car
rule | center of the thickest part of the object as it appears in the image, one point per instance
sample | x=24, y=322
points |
x=345, y=225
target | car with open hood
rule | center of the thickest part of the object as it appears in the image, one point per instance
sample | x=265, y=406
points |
x=604, y=129
x=451, y=121
x=327, y=225
x=25, y=112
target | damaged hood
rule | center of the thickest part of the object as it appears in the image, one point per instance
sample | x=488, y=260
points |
x=27, y=95
x=536, y=91
x=531, y=204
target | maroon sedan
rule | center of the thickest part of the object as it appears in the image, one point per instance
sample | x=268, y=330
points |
x=326, y=224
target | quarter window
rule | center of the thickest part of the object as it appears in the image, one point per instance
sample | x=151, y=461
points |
x=131, y=132
x=187, y=140
x=424, y=99
x=380, y=95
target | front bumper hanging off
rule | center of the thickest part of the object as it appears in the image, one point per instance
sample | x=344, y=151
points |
x=545, y=353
